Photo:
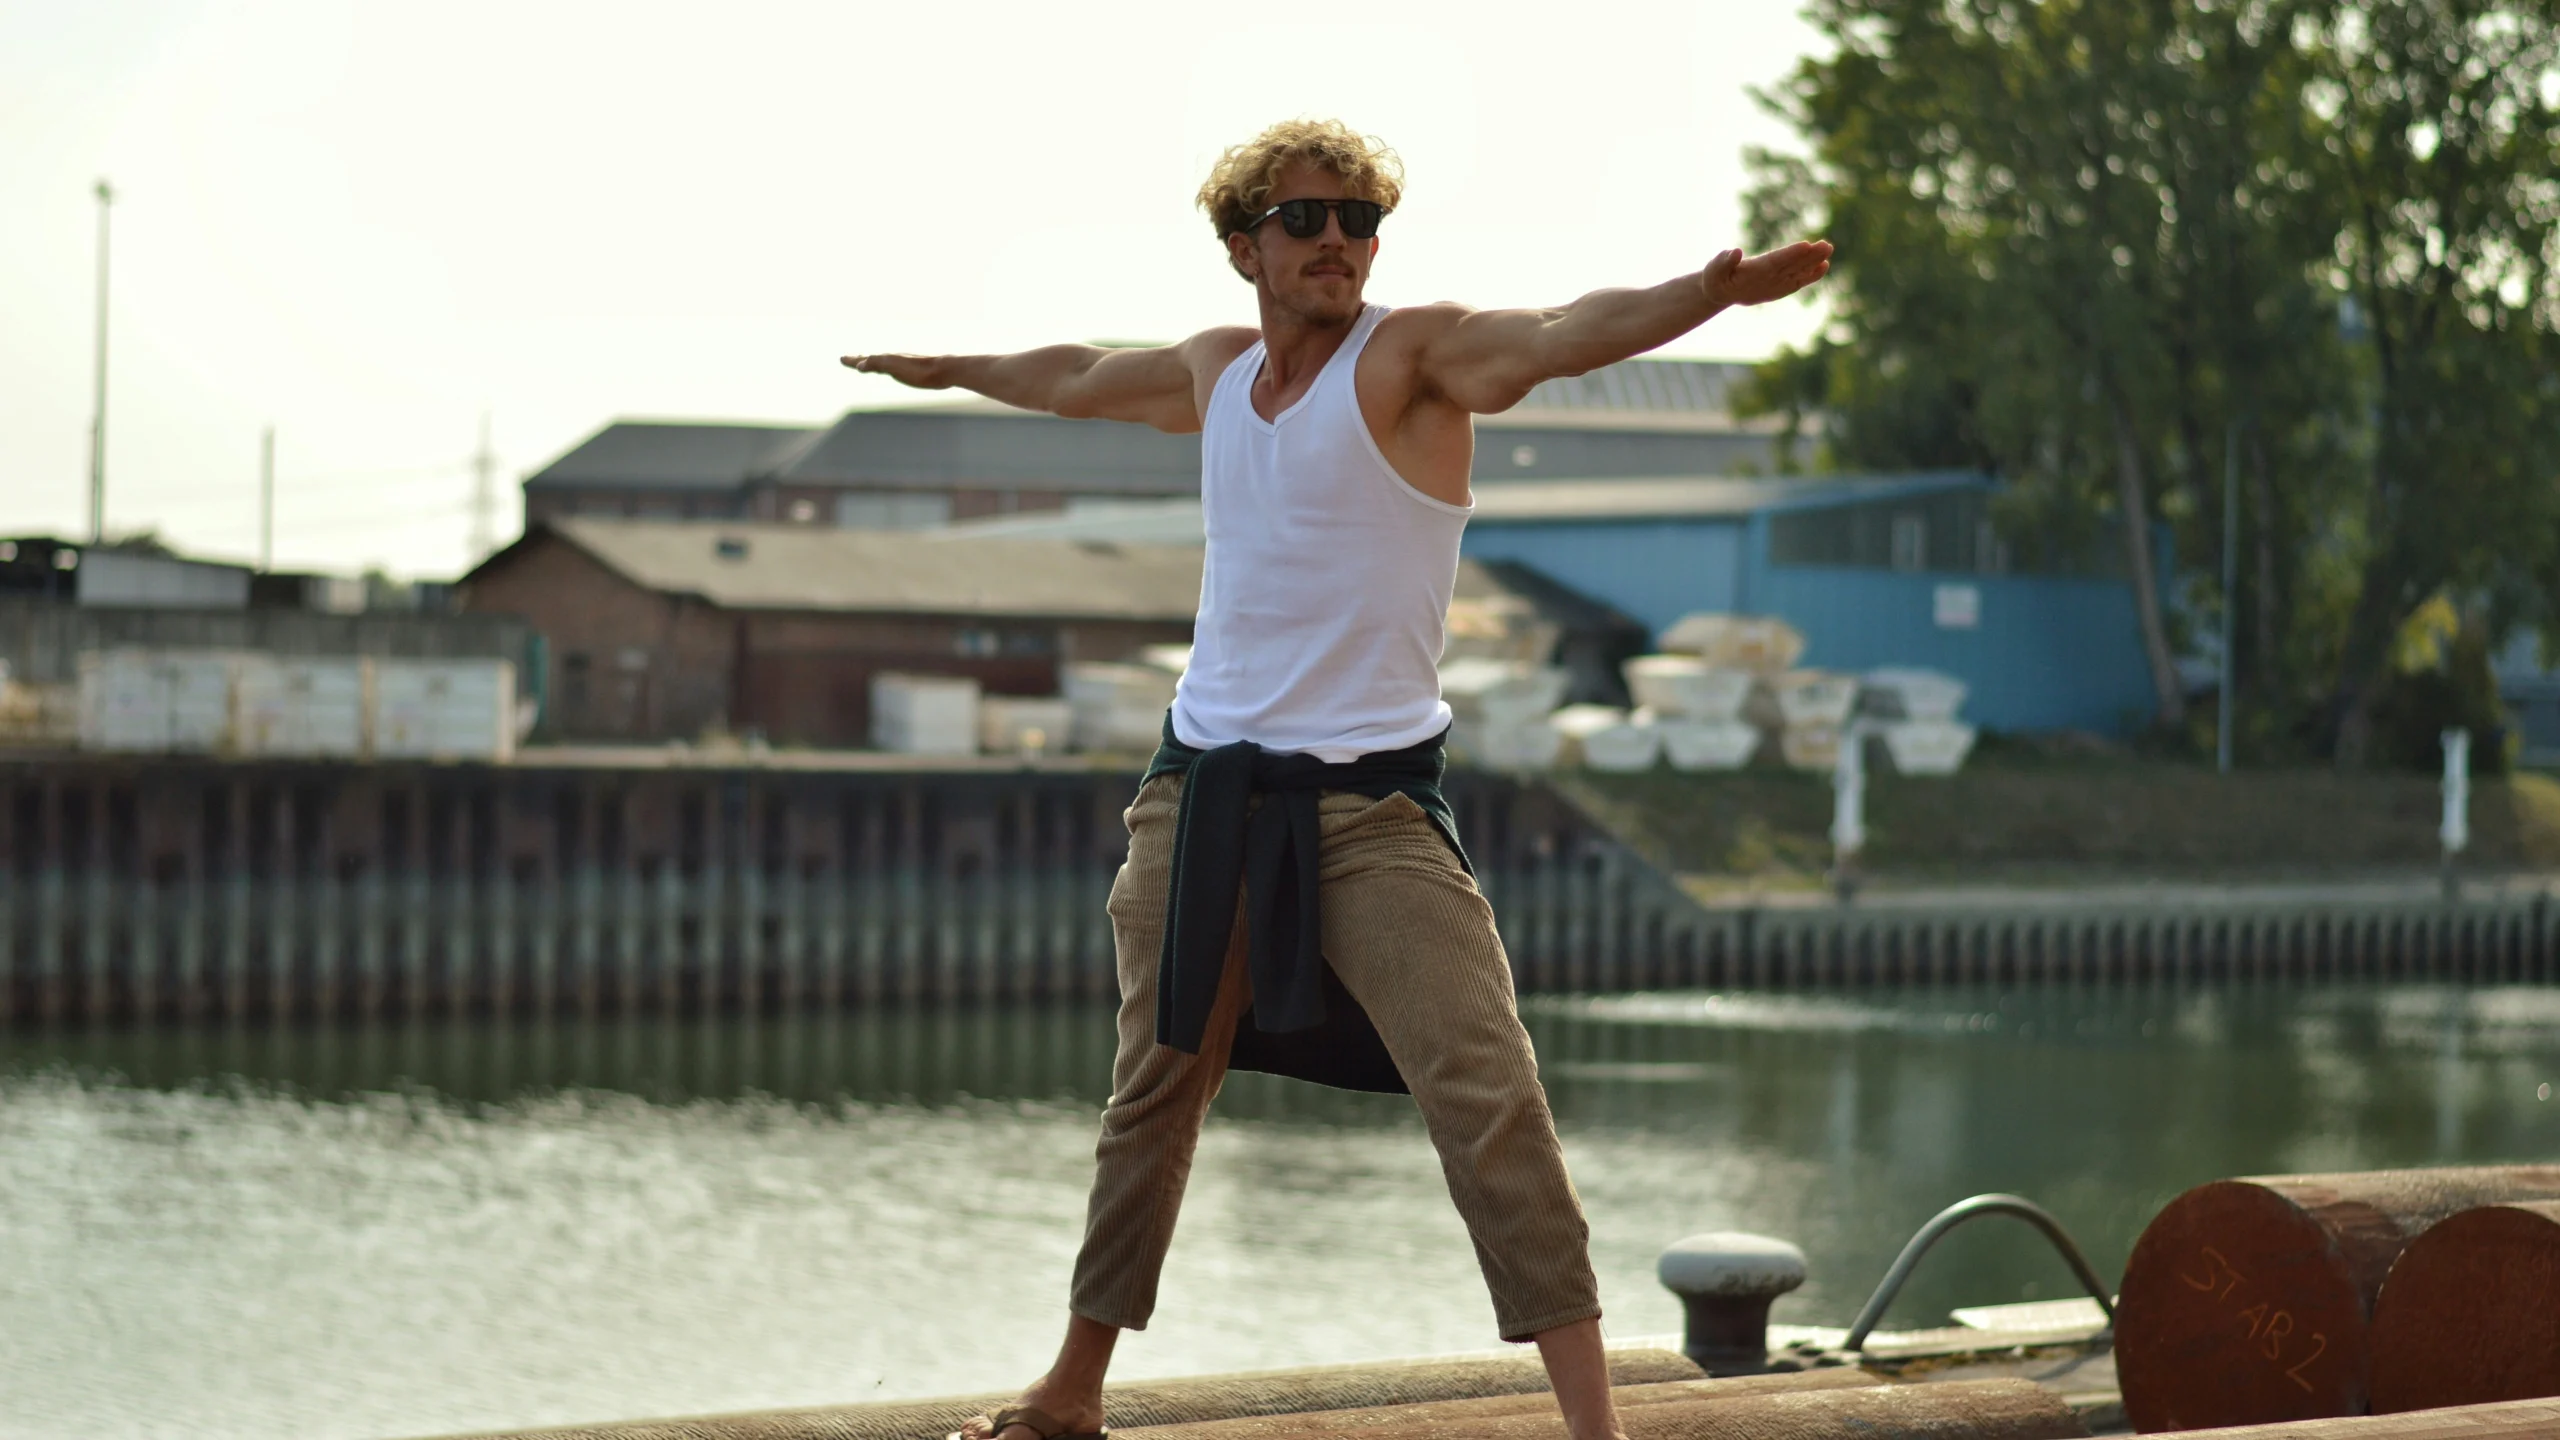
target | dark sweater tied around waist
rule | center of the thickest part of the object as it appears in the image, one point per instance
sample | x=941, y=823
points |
x=1303, y=1023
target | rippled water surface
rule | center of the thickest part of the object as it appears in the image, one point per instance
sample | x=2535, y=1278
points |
x=436, y=1226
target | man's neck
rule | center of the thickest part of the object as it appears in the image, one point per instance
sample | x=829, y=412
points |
x=1294, y=346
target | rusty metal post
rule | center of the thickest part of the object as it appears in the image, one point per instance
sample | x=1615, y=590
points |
x=2471, y=1311
x=2246, y=1301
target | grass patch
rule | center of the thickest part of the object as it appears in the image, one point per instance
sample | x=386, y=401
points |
x=2027, y=818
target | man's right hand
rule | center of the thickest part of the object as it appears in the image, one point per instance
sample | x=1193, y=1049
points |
x=924, y=372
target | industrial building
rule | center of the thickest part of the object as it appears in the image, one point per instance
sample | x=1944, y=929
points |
x=658, y=630
x=922, y=466
x=1875, y=570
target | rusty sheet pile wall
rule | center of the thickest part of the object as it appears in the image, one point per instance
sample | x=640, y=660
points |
x=137, y=889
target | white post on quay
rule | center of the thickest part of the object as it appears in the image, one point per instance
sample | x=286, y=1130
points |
x=1848, y=808
x=2454, y=832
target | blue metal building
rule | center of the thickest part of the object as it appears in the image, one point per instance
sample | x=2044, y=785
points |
x=1899, y=570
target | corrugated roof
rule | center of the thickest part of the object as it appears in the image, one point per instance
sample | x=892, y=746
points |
x=984, y=444
x=1167, y=522
x=1694, y=496
x=805, y=567
x=670, y=455
x=1640, y=385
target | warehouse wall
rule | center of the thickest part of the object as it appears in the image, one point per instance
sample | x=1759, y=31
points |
x=43, y=640
x=2044, y=652
x=1654, y=570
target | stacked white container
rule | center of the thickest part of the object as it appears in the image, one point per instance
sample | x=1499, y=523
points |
x=458, y=709
x=1697, y=707
x=924, y=714
x=1608, y=738
x=1811, y=709
x=1761, y=644
x=1498, y=710
x=1915, y=712
x=1118, y=708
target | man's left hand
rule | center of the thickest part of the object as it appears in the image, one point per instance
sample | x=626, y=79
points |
x=1733, y=280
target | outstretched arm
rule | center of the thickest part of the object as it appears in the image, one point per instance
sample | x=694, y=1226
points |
x=1151, y=385
x=1484, y=361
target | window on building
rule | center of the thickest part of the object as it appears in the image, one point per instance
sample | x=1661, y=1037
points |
x=574, y=669
x=879, y=510
x=1990, y=552
x=1947, y=533
x=1910, y=542
x=803, y=511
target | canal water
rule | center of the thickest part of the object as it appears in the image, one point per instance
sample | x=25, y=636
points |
x=435, y=1226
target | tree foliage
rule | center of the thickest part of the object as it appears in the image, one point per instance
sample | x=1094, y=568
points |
x=2108, y=249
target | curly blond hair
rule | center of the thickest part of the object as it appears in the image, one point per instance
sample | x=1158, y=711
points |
x=1240, y=185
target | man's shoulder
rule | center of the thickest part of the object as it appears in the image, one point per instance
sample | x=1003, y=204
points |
x=1217, y=347
x=1424, y=321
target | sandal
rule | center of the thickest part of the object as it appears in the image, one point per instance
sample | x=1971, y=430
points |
x=1040, y=1422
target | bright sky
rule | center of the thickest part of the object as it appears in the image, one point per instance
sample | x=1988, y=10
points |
x=369, y=224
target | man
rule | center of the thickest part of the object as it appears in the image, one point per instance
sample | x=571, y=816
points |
x=1301, y=757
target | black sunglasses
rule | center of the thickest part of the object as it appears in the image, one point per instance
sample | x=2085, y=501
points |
x=1304, y=219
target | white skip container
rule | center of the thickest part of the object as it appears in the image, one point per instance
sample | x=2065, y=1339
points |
x=1510, y=745
x=1814, y=745
x=1708, y=744
x=1814, y=697
x=1610, y=739
x=1904, y=693
x=1762, y=644
x=1687, y=687
x=1927, y=747
x=924, y=714
x=1483, y=690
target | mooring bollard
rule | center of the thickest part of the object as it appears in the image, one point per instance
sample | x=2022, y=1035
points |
x=1726, y=1281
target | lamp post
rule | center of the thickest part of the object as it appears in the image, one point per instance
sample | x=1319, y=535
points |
x=98, y=416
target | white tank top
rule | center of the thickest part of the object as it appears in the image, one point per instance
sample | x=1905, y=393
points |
x=1325, y=599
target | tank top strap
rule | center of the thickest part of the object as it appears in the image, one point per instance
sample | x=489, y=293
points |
x=1235, y=383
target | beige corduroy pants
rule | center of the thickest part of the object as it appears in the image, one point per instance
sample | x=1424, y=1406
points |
x=1415, y=944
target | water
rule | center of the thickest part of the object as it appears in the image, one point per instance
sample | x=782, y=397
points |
x=432, y=1227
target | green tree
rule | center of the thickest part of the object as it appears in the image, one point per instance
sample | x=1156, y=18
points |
x=2089, y=245
x=2437, y=150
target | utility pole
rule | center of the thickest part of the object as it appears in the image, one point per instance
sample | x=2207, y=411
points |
x=98, y=415
x=267, y=503
x=484, y=496
x=2229, y=703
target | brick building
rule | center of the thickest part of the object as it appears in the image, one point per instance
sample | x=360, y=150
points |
x=661, y=630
